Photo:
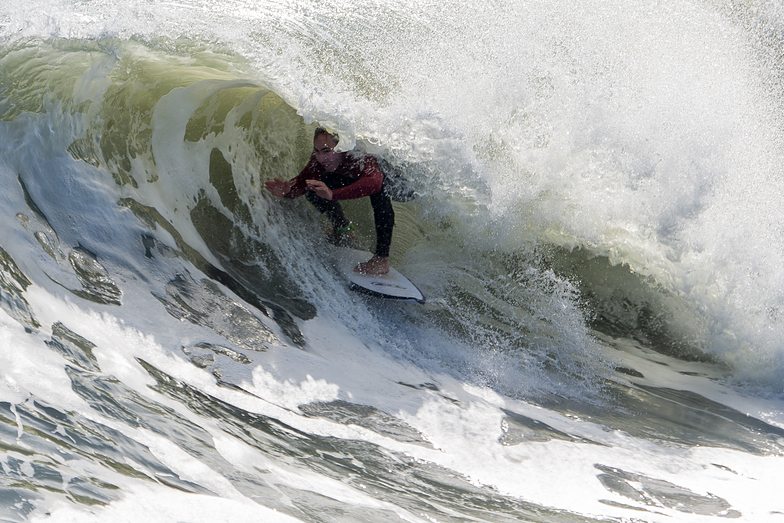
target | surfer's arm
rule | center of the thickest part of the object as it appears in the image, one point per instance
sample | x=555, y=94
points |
x=370, y=180
x=278, y=187
x=297, y=186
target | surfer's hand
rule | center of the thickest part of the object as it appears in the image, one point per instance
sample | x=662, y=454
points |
x=320, y=189
x=278, y=187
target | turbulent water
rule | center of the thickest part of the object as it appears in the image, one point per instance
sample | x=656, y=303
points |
x=597, y=227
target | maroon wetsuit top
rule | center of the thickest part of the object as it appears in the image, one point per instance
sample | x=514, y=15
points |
x=363, y=169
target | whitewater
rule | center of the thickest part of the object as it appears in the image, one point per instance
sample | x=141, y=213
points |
x=597, y=228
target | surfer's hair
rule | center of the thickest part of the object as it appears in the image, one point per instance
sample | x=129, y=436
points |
x=323, y=130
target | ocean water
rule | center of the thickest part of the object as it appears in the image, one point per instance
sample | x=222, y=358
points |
x=597, y=228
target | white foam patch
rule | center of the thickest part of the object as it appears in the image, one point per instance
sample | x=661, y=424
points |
x=290, y=394
x=164, y=505
x=29, y=367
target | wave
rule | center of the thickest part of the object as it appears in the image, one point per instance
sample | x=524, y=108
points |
x=188, y=156
x=596, y=228
x=640, y=190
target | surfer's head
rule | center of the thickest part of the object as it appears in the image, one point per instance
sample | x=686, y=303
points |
x=324, y=144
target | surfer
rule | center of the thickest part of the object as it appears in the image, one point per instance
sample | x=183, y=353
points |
x=331, y=176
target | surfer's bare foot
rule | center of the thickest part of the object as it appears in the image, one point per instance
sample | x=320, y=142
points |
x=375, y=265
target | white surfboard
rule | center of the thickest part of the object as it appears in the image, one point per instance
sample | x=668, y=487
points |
x=392, y=285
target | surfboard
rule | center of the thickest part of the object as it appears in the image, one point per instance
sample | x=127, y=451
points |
x=392, y=285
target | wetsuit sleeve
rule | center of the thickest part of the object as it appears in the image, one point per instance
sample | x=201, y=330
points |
x=370, y=180
x=298, y=183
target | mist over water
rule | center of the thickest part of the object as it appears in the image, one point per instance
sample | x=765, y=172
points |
x=597, y=230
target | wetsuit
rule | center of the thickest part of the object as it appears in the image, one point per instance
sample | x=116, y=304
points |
x=355, y=177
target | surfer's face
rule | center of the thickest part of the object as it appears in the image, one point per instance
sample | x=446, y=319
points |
x=324, y=149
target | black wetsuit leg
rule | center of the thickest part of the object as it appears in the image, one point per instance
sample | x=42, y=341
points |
x=331, y=209
x=384, y=218
x=383, y=213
